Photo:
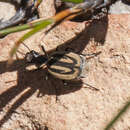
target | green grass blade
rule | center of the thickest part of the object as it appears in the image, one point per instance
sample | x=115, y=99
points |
x=115, y=119
x=36, y=29
x=21, y=27
x=74, y=1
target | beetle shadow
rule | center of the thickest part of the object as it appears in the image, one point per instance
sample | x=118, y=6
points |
x=28, y=82
x=96, y=31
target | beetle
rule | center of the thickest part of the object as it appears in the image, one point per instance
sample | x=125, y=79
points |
x=64, y=65
x=26, y=10
x=61, y=64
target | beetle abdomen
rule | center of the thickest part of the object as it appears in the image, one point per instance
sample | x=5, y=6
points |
x=65, y=65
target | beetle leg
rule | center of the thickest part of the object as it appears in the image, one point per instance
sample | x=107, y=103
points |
x=56, y=93
x=79, y=83
x=91, y=55
x=90, y=87
x=43, y=49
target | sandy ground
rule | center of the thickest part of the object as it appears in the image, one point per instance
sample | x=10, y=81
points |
x=28, y=100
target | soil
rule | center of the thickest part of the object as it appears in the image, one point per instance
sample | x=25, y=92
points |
x=30, y=102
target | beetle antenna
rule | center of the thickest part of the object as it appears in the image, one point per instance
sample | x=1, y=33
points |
x=21, y=52
x=26, y=46
x=93, y=54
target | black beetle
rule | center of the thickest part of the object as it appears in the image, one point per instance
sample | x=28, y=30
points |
x=64, y=65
